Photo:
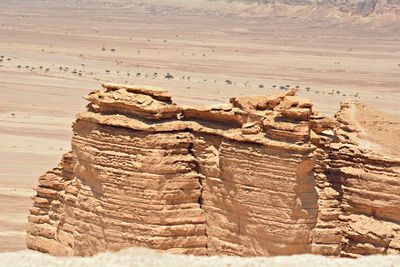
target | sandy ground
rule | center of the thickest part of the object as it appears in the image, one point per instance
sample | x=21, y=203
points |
x=144, y=257
x=377, y=130
x=50, y=57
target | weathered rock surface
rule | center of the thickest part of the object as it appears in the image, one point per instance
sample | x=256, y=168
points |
x=258, y=176
x=356, y=7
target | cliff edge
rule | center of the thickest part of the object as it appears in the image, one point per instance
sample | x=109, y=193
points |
x=256, y=176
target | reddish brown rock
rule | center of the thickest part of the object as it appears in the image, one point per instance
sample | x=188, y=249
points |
x=256, y=176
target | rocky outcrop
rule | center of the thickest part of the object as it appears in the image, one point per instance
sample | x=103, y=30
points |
x=256, y=176
x=358, y=192
x=362, y=8
x=368, y=184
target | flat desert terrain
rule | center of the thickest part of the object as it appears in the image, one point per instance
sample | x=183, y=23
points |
x=51, y=56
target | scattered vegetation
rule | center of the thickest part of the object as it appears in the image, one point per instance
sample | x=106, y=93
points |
x=168, y=76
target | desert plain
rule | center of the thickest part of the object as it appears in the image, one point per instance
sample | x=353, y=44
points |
x=54, y=53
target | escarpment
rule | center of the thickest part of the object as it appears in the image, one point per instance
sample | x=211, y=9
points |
x=255, y=176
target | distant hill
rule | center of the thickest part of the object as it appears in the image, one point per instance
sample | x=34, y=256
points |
x=370, y=13
x=355, y=7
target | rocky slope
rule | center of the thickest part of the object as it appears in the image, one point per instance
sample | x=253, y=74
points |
x=377, y=9
x=256, y=176
x=355, y=7
x=361, y=16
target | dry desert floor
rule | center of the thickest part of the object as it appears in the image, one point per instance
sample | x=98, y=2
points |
x=52, y=56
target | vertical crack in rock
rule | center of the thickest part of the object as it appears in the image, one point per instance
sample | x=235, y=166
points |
x=197, y=170
x=253, y=177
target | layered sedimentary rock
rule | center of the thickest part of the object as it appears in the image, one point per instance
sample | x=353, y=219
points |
x=256, y=176
x=359, y=191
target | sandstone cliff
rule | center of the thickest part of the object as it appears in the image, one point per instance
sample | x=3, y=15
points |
x=256, y=176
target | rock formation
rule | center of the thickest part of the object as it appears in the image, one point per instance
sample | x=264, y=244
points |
x=355, y=7
x=256, y=176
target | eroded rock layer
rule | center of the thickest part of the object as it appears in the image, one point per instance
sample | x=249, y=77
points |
x=256, y=176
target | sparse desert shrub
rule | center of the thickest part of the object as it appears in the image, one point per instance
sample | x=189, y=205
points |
x=261, y=86
x=228, y=82
x=168, y=76
x=138, y=74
